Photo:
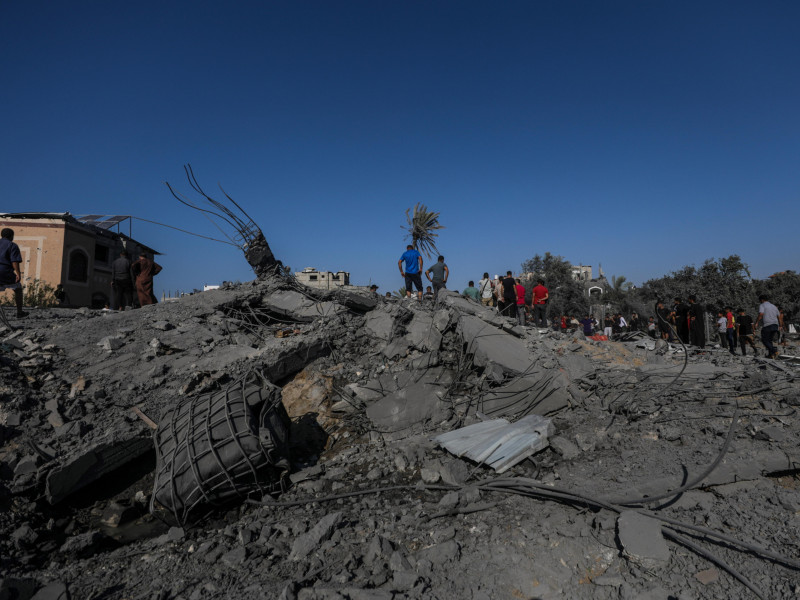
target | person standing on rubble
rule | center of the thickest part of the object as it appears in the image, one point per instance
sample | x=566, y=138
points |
x=681, y=312
x=770, y=316
x=730, y=332
x=10, y=275
x=121, y=282
x=662, y=313
x=540, y=296
x=744, y=330
x=520, y=291
x=440, y=274
x=485, y=288
x=143, y=271
x=413, y=272
x=697, y=323
x=509, y=296
x=472, y=292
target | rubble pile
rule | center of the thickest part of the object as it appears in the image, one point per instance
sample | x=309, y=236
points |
x=434, y=450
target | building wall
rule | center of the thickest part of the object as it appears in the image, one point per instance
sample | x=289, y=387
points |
x=54, y=251
x=41, y=244
x=323, y=279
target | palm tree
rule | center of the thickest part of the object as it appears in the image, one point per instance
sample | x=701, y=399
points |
x=422, y=224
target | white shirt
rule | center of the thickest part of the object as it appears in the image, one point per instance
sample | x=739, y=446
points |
x=485, y=287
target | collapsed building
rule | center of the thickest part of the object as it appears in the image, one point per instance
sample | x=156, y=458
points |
x=271, y=440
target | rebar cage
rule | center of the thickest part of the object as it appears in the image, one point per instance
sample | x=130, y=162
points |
x=217, y=447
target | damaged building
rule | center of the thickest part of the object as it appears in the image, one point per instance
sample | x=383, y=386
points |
x=272, y=440
x=77, y=252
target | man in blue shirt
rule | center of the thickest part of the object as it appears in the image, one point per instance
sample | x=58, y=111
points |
x=413, y=272
x=10, y=258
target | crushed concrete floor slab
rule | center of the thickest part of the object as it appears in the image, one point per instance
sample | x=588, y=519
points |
x=667, y=474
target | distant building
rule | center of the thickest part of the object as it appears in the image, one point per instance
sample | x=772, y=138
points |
x=581, y=272
x=76, y=252
x=325, y=280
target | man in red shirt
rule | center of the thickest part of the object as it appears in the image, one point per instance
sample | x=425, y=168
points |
x=520, y=290
x=539, y=301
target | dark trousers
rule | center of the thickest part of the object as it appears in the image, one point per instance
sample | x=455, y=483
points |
x=437, y=285
x=744, y=340
x=123, y=294
x=539, y=320
x=767, y=333
x=731, y=341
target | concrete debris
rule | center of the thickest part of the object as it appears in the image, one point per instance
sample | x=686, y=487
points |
x=641, y=539
x=378, y=480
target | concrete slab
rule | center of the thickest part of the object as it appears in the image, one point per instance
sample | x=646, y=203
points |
x=404, y=408
x=490, y=345
x=296, y=306
x=641, y=539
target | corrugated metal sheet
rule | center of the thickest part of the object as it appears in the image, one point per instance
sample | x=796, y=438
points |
x=498, y=443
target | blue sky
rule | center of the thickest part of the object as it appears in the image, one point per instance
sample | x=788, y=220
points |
x=642, y=136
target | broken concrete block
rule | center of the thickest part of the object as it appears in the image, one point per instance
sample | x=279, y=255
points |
x=12, y=588
x=321, y=532
x=641, y=539
x=28, y=464
x=299, y=307
x=707, y=576
x=379, y=324
x=411, y=405
x=111, y=343
x=92, y=464
x=84, y=544
x=489, y=344
x=24, y=537
x=564, y=447
x=52, y=591
x=422, y=334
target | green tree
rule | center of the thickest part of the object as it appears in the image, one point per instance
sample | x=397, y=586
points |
x=422, y=225
x=783, y=290
x=567, y=296
x=717, y=283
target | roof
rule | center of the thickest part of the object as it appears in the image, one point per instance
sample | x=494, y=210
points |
x=97, y=224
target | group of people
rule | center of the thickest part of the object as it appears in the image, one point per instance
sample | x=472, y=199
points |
x=507, y=293
x=685, y=321
x=125, y=277
x=740, y=327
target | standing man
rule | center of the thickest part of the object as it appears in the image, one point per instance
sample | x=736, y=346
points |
x=539, y=301
x=662, y=314
x=10, y=275
x=144, y=270
x=697, y=322
x=509, y=295
x=744, y=329
x=413, y=273
x=485, y=288
x=121, y=282
x=730, y=330
x=520, y=290
x=440, y=274
x=770, y=316
x=472, y=291
x=681, y=312
x=608, y=326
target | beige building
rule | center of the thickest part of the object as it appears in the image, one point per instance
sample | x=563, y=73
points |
x=59, y=248
x=323, y=279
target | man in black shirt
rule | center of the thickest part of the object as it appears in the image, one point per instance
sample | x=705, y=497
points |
x=681, y=312
x=744, y=329
x=121, y=282
x=697, y=323
x=509, y=296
